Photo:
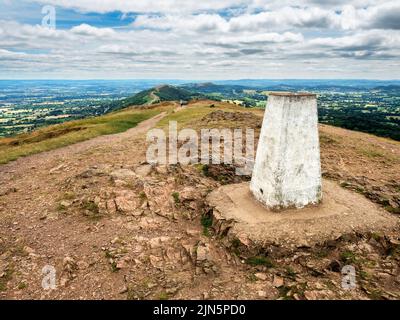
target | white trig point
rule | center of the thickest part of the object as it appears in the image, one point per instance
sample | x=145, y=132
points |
x=287, y=170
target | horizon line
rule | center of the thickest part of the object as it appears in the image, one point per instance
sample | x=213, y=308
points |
x=196, y=80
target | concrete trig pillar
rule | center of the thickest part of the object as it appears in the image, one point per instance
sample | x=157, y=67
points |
x=287, y=169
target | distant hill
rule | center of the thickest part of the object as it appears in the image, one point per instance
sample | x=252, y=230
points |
x=209, y=88
x=159, y=94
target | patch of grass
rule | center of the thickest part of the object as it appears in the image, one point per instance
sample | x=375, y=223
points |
x=113, y=265
x=61, y=207
x=163, y=296
x=345, y=184
x=376, y=236
x=392, y=209
x=372, y=153
x=91, y=206
x=260, y=261
x=348, y=257
x=206, y=232
x=206, y=222
x=284, y=293
x=322, y=253
x=91, y=209
x=290, y=273
x=205, y=169
x=360, y=189
x=222, y=179
x=111, y=260
x=142, y=196
x=108, y=254
x=3, y=285
x=22, y=285
x=364, y=275
x=235, y=246
x=327, y=140
x=202, y=168
x=236, y=243
x=175, y=195
x=56, y=136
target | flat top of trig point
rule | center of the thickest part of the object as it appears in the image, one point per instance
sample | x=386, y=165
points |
x=292, y=94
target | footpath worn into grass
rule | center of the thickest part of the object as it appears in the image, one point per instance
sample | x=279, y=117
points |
x=61, y=135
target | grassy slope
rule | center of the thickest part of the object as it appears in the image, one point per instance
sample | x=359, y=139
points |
x=170, y=93
x=191, y=115
x=138, y=99
x=163, y=93
x=57, y=136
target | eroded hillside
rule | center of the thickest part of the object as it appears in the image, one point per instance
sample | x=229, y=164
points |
x=115, y=227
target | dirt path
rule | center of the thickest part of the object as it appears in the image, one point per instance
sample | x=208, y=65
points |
x=44, y=158
x=154, y=99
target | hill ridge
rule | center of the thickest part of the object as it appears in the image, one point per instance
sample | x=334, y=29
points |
x=161, y=93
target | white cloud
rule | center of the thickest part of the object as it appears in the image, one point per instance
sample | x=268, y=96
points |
x=201, y=22
x=6, y=54
x=365, y=40
x=347, y=17
x=87, y=30
x=263, y=38
x=284, y=18
x=193, y=39
x=145, y=6
x=195, y=6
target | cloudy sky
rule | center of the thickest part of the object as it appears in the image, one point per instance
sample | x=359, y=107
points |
x=200, y=39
